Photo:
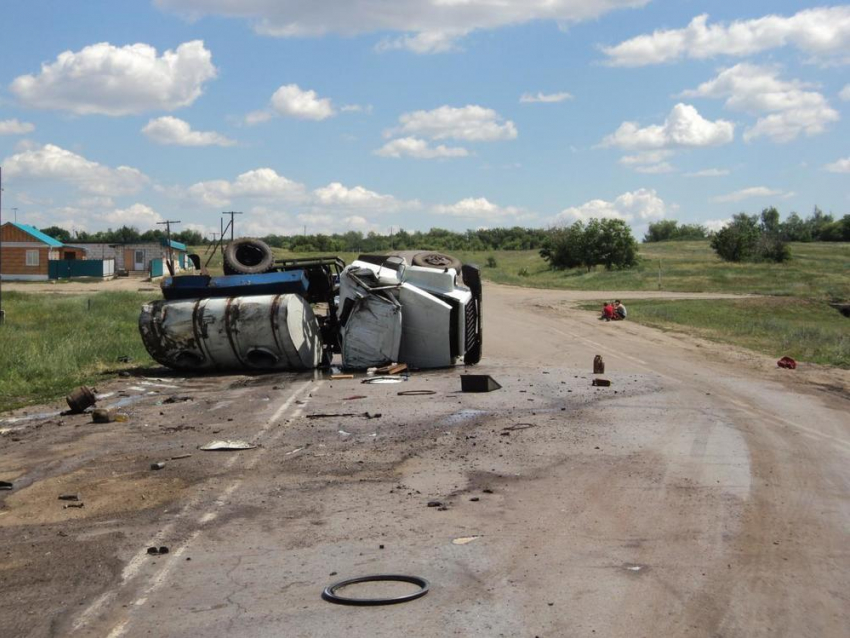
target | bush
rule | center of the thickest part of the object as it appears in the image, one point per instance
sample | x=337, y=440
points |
x=669, y=230
x=491, y=262
x=606, y=242
x=523, y=272
x=749, y=238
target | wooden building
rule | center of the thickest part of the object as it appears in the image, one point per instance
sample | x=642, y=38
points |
x=25, y=251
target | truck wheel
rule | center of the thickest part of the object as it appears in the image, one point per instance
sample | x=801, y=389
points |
x=436, y=260
x=247, y=256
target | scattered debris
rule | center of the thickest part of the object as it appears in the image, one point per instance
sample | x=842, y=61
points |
x=598, y=365
x=465, y=540
x=125, y=359
x=344, y=433
x=180, y=456
x=435, y=503
x=178, y=399
x=81, y=398
x=788, y=363
x=602, y=383
x=73, y=505
x=475, y=499
x=416, y=393
x=395, y=368
x=381, y=380
x=356, y=397
x=478, y=383
x=518, y=426
x=157, y=551
x=329, y=594
x=323, y=415
x=6, y=485
x=225, y=445
x=106, y=415
x=124, y=373
x=158, y=465
x=337, y=377
x=70, y=497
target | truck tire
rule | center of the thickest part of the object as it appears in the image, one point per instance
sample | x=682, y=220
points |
x=436, y=260
x=247, y=256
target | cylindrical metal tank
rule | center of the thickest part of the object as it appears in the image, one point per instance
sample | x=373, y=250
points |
x=264, y=332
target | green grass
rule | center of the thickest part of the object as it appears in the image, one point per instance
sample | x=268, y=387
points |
x=52, y=343
x=819, y=271
x=805, y=330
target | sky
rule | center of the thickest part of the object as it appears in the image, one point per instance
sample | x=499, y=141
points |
x=374, y=115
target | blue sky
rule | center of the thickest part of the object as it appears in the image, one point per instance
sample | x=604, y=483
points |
x=348, y=114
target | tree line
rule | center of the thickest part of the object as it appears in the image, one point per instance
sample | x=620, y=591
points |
x=123, y=235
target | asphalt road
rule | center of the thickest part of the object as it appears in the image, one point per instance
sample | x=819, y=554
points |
x=705, y=493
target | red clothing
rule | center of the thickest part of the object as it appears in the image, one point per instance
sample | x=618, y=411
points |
x=608, y=311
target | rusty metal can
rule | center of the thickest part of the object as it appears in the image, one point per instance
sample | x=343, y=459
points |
x=81, y=398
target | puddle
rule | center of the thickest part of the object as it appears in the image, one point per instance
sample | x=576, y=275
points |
x=461, y=417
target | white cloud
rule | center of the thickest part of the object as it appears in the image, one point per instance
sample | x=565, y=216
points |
x=292, y=101
x=257, y=117
x=709, y=172
x=52, y=163
x=173, y=131
x=845, y=93
x=336, y=196
x=749, y=193
x=111, y=80
x=419, y=149
x=470, y=123
x=758, y=89
x=15, y=127
x=714, y=225
x=684, y=127
x=138, y=215
x=261, y=183
x=529, y=98
x=431, y=26
x=481, y=208
x=642, y=205
x=649, y=162
x=819, y=32
x=656, y=169
x=840, y=166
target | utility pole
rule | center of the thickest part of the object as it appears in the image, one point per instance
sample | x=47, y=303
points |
x=15, y=210
x=167, y=223
x=231, y=224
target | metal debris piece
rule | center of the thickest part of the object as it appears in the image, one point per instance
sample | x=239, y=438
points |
x=125, y=359
x=228, y=444
x=478, y=383
x=416, y=393
x=598, y=365
x=180, y=456
x=337, y=377
x=158, y=465
x=70, y=497
x=157, y=551
x=465, y=540
x=73, y=505
x=602, y=383
x=178, y=399
x=6, y=485
x=356, y=397
x=435, y=503
x=395, y=368
x=81, y=398
x=382, y=380
x=329, y=594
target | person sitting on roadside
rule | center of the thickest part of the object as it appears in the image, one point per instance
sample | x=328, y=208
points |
x=619, y=311
x=608, y=313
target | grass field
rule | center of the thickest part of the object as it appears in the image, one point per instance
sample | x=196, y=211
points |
x=53, y=343
x=819, y=271
x=807, y=330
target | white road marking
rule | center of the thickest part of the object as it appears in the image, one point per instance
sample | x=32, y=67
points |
x=158, y=578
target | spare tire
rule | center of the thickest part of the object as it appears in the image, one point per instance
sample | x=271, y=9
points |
x=436, y=260
x=247, y=256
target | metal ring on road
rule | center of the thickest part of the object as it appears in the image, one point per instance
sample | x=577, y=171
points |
x=416, y=393
x=330, y=595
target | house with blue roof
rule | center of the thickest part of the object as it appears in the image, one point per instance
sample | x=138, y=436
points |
x=25, y=252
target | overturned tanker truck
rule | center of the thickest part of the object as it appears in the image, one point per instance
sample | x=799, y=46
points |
x=420, y=308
